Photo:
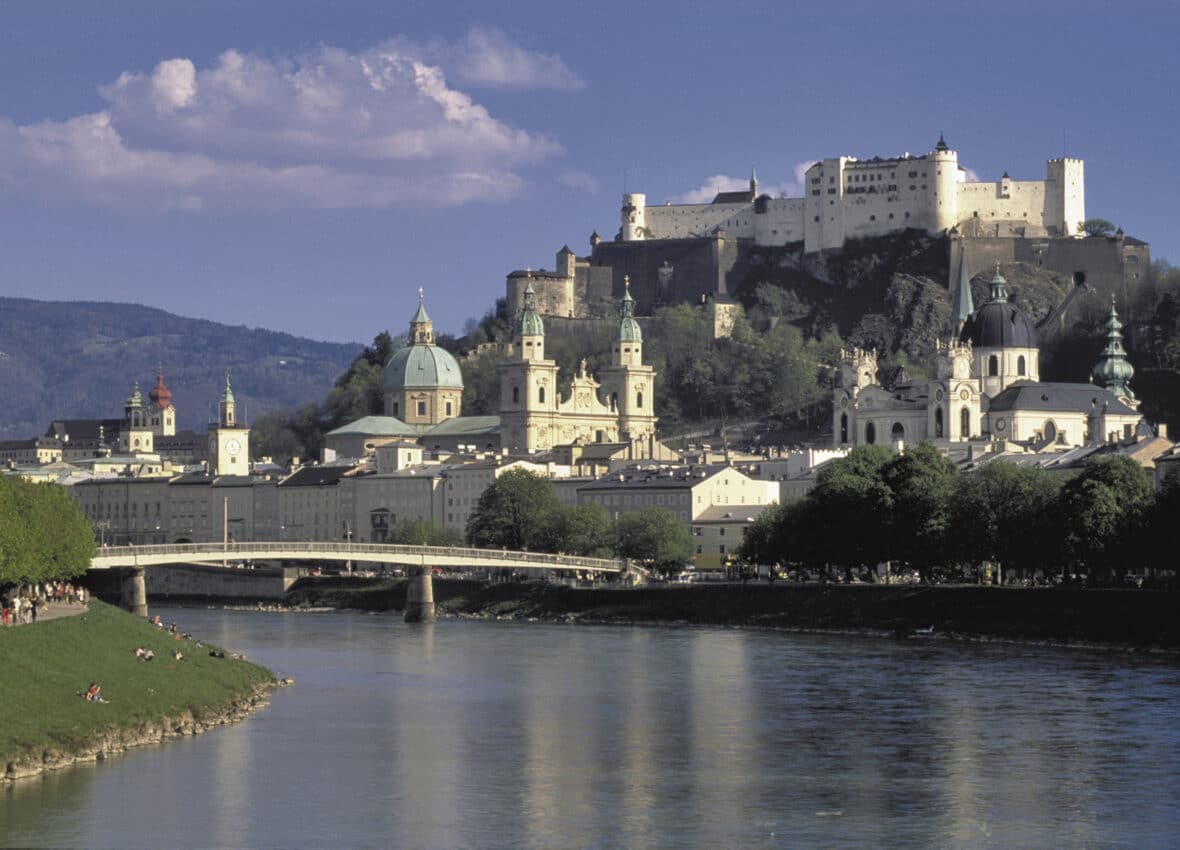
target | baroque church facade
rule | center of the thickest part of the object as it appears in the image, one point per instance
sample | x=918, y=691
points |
x=423, y=390
x=987, y=387
x=618, y=407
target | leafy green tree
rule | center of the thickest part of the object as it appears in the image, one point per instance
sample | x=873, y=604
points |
x=43, y=533
x=851, y=504
x=1097, y=227
x=1000, y=513
x=654, y=537
x=582, y=530
x=1158, y=537
x=423, y=532
x=762, y=542
x=921, y=482
x=512, y=512
x=1102, y=509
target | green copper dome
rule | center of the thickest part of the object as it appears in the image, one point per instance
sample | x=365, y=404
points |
x=1112, y=370
x=422, y=364
x=627, y=330
x=423, y=367
x=528, y=323
x=135, y=399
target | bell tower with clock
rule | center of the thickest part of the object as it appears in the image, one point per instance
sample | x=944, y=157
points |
x=229, y=441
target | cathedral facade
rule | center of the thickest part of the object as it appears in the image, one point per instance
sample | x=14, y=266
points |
x=617, y=407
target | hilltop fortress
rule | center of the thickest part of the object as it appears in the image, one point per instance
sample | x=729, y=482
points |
x=847, y=198
x=683, y=253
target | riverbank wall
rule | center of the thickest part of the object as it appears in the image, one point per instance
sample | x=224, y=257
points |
x=1132, y=617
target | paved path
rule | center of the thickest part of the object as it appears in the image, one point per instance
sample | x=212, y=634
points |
x=54, y=610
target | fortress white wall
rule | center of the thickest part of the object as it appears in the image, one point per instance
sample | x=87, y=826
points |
x=846, y=198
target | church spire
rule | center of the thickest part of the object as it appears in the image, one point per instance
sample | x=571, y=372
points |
x=421, y=328
x=999, y=287
x=962, y=305
x=753, y=182
x=1112, y=370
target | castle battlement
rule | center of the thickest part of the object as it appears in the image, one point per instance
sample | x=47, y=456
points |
x=848, y=198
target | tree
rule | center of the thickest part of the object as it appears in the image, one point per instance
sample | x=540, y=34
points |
x=512, y=512
x=423, y=532
x=851, y=503
x=921, y=482
x=1097, y=227
x=654, y=537
x=1000, y=513
x=761, y=542
x=43, y=533
x=582, y=530
x=1102, y=509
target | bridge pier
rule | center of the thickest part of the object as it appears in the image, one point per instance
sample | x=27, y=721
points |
x=134, y=595
x=420, y=597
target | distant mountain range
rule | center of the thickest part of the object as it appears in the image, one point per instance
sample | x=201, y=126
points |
x=80, y=359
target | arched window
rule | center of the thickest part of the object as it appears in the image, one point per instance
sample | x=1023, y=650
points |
x=1020, y=365
x=843, y=427
x=516, y=395
x=639, y=400
x=897, y=432
x=870, y=433
x=965, y=422
x=614, y=401
x=993, y=365
x=541, y=395
x=938, y=422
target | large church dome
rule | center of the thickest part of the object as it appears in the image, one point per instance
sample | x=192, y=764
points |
x=422, y=364
x=421, y=367
x=998, y=323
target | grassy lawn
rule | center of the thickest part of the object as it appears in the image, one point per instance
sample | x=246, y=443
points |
x=44, y=665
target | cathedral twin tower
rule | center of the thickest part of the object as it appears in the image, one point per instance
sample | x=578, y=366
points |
x=424, y=385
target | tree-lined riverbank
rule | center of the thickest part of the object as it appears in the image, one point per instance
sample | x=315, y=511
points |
x=1134, y=618
x=45, y=725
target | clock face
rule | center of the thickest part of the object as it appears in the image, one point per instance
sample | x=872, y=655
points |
x=964, y=394
x=1001, y=424
x=233, y=446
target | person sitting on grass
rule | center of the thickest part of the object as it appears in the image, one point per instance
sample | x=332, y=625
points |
x=92, y=693
x=178, y=655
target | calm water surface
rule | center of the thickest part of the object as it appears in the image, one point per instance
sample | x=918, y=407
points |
x=488, y=735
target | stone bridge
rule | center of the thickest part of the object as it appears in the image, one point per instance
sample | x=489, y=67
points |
x=419, y=559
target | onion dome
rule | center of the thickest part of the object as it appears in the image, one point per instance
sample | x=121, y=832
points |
x=227, y=394
x=528, y=323
x=135, y=399
x=998, y=324
x=627, y=330
x=159, y=395
x=1112, y=370
x=422, y=364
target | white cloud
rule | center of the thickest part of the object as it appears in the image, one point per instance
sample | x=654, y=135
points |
x=326, y=129
x=709, y=188
x=579, y=180
x=489, y=58
x=174, y=84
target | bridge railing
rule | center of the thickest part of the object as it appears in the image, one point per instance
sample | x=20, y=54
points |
x=357, y=552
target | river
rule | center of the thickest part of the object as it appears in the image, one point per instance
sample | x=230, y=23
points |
x=488, y=735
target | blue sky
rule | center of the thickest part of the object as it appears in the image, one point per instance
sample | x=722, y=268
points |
x=306, y=166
